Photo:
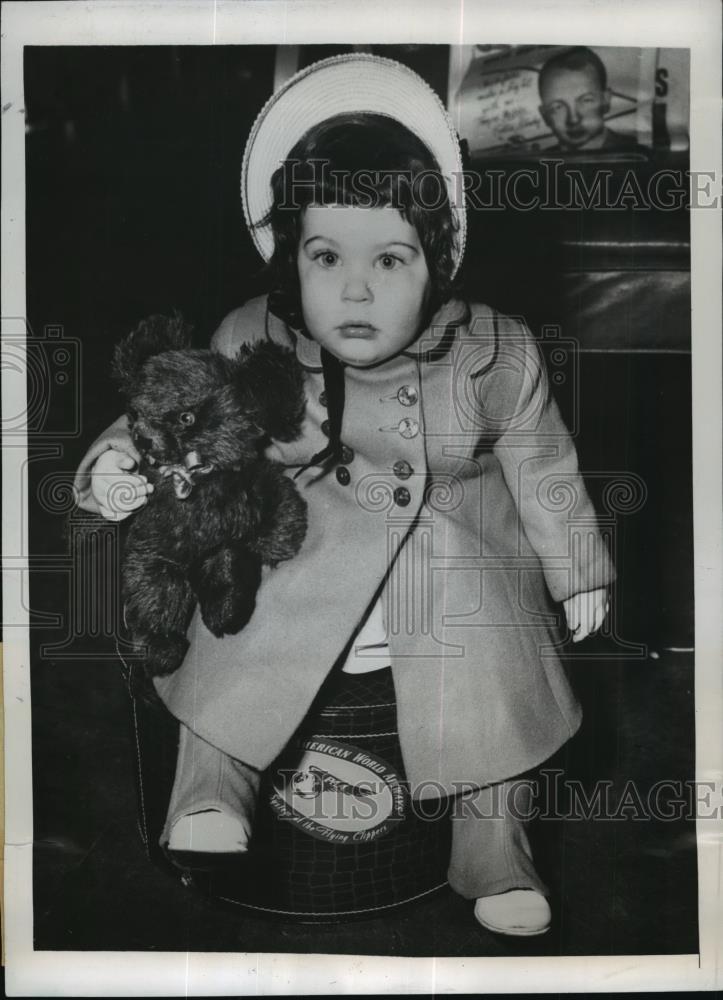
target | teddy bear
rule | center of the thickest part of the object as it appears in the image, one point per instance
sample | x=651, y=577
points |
x=220, y=509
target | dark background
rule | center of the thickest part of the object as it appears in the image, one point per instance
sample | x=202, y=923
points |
x=133, y=164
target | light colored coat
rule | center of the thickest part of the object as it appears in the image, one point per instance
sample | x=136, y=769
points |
x=497, y=521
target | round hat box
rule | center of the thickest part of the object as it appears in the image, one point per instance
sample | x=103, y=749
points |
x=336, y=835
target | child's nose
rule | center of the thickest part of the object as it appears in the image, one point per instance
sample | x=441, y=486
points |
x=356, y=287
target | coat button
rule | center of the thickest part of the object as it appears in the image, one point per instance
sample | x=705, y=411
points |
x=322, y=398
x=407, y=395
x=402, y=469
x=408, y=428
x=325, y=427
x=402, y=496
x=347, y=454
x=342, y=474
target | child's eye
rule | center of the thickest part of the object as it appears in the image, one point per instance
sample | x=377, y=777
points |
x=388, y=261
x=327, y=258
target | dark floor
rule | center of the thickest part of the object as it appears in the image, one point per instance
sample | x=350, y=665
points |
x=621, y=886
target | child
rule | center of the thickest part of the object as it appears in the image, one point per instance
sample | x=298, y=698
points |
x=427, y=419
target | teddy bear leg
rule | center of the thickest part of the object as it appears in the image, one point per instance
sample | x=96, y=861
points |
x=158, y=601
x=226, y=582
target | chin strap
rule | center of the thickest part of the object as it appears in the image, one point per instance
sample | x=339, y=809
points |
x=333, y=371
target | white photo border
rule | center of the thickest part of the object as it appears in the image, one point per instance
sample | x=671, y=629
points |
x=645, y=23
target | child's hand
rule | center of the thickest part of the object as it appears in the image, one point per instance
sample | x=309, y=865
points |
x=116, y=489
x=118, y=438
x=586, y=612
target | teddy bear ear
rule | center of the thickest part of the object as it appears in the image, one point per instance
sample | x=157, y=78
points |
x=152, y=336
x=272, y=385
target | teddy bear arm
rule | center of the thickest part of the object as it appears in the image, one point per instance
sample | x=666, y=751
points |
x=225, y=581
x=282, y=517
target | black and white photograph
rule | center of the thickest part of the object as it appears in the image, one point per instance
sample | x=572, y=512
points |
x=361, y=492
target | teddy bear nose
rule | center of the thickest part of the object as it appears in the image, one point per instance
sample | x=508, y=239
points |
x=141, y=442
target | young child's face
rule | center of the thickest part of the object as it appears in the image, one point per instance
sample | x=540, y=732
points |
x=364, y=281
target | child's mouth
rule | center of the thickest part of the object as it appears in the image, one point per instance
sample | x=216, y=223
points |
x=357, y=329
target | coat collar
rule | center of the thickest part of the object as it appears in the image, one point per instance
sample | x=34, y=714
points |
x=432, y=343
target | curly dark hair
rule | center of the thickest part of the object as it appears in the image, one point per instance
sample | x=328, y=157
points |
x=364, y=160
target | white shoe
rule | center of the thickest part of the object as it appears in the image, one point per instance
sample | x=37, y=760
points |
x=520, y=911
x=210, y=831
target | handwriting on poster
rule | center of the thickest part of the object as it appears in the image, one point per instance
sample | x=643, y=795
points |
x=506, y=105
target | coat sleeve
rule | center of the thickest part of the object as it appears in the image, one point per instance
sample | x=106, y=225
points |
x=242, y=326
x=540, y=466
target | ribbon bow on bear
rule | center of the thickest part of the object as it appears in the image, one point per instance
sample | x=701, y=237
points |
x=184, y=476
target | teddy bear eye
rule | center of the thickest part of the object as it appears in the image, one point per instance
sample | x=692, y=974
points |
x=187, y=418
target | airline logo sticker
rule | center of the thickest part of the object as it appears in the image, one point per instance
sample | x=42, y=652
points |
x=339, y=793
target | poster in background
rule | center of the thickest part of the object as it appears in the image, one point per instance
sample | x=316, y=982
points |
x=494, y=96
